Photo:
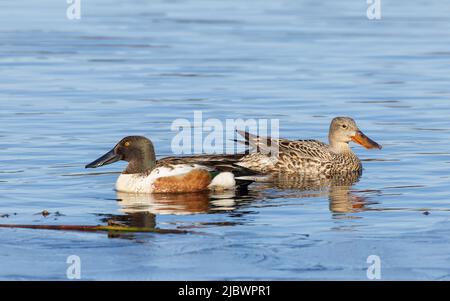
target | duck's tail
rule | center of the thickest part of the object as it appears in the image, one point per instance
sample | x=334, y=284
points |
x=266, y=145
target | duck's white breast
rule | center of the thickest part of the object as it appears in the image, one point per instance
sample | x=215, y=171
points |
x=134, y=183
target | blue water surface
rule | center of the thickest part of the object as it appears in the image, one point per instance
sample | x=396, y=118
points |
x=70, y=89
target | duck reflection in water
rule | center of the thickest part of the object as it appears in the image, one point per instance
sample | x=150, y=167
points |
x=141, y=210
x=180, y=204
x=337, y=187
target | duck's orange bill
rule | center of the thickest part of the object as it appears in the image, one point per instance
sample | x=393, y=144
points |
x=365, y=141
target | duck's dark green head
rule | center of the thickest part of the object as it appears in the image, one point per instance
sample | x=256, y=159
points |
x=138, y=151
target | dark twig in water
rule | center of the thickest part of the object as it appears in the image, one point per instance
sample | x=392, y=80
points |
x=96, y=228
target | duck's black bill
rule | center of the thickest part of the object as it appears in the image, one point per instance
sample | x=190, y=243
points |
x=108, y=158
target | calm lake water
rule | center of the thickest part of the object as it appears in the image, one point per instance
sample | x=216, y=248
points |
x=69, y=90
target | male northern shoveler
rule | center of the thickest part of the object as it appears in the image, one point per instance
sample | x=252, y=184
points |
x=308, y=156
x=146, y=175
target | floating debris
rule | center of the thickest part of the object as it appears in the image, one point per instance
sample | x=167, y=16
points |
x=46, y=213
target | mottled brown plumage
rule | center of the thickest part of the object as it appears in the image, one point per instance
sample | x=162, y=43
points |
x=308, y=156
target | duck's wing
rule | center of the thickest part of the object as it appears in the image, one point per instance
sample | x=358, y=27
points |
x=271, y=155
x=307, y=149
x=218, y=163
x=203, y=159
x=303, y=149
x=221, y=166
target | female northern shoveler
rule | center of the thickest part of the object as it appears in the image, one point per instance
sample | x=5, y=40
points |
x=146, y=175
x=308, y=156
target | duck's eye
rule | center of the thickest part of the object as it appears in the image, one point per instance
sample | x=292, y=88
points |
x=127, y=143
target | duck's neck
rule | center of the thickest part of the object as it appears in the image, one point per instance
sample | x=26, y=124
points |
x=142, y=162
x=340, y=148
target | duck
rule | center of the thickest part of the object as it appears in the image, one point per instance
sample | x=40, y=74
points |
x=310, y=157
x=144, y=174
